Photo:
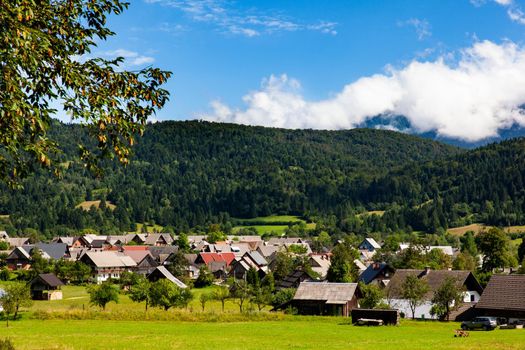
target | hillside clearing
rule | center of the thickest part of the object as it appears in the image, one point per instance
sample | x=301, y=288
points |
x=86, y=205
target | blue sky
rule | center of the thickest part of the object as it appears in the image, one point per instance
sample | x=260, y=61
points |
x=290, y=63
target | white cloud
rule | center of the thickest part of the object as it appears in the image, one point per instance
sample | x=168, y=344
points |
x=517, y=15
x=514, y=11
x=249, y=23
x=421, y=26
x=470, y=98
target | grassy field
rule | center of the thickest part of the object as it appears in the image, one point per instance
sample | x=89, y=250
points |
x=287, y=332
x=76, y=298
x=86, y=205
x=272, y=223
x=295, y=332
x=460, y=231
x=275, y=218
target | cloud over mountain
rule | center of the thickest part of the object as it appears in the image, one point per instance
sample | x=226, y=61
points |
x=469, y=98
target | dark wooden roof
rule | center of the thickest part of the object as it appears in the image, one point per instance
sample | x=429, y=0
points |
x=49, y=279
x=504, y=292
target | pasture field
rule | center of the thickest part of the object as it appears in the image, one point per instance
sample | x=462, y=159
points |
x=123, y=326
x=275, y=223
x=294, y=332
x=262, y=229
x=476, y=228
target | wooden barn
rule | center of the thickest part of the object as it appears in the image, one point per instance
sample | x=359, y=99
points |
x=46, y=286
x=322, y=298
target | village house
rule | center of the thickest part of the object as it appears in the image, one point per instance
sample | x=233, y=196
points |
x=504, y=297
x=17, y=241
x=161, y=272
x=294, y=279
x=240, y=267
x=434, y=279
x=158, y=239
x=378, y=274
x=369, y=244
x=20, y=257
x=142, y=257
x=320, y=264
x=446, y=249
x=108, y=264
x=323, y=298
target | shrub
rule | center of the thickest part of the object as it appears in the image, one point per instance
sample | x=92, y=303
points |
x=6, y=344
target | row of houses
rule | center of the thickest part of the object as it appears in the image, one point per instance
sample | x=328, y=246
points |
x=503, y=297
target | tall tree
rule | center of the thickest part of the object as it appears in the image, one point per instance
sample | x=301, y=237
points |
x=46, y=57
x=494, y=245
x=448, y=296
x=372, y=296
x=342, y=267
x=413, y=290
x=139, y=291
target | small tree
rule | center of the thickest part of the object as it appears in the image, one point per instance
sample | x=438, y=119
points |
x=241, y=291
x=221, y=294
x=19, y=294
x=165, y=294
x=283, y=296
x=261, y=296
x=184, y=298
x=203, y=299
x=6, y=344
x=101, y=294
x=177, y=264
x=448, y=296
x=139, y=291
x=413, y=290
x=183, y=243
x=372, y=296
x=252, y=277
x=8, y=305
x=205, y=278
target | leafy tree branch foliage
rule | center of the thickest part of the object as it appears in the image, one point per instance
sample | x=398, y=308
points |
x=45, y=57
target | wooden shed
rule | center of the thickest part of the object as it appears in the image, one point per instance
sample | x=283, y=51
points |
x=46, y=286
x=322, y=298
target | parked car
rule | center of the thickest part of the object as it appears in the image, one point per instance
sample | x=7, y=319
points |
x=485, y=323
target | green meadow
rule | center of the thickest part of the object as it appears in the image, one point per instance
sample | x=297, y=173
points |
x=294, y=332
x=275, y=223
x=73, y=324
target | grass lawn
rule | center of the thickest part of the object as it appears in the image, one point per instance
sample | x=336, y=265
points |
x=77, y=298
x=291, y=332
x=295, y=332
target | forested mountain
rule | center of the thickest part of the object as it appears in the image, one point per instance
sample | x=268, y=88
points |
x=186, y=174
x=190, y=174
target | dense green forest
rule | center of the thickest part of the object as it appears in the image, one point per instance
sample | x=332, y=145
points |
x=190, y=174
